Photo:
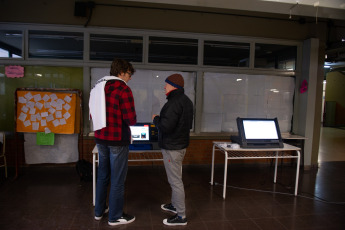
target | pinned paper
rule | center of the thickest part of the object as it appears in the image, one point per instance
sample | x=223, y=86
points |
x=25, y=109
x=67, y=107
x=66, y=115
x=68, y=99
x=44, y=114
x=56, y=122
x=62, y=121
x=22, y=117
x=46, y=97
x=28, y=96
x=32, y=111
x=21, y=100
x=33, y=117
x=47, y=105
x=38, y=116
x=53, y=97
x=50, y=117
x=37, y=97
x=30, y=104
x=35, y=125
x=51, y=111
x=58, y=114
x=47, y=130
x=45, y=138
x=27, y=123
x=39, y=105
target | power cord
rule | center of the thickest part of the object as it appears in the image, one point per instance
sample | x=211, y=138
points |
x=282, y=193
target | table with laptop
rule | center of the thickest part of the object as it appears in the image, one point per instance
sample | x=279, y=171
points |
x=144, y=147
x=257, y=139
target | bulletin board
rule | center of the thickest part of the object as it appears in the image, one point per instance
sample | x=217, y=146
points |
x=48, y=110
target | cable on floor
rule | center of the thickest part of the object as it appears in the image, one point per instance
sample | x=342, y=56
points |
x=282, y=193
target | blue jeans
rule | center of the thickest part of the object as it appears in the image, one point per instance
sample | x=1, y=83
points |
x=113, y=165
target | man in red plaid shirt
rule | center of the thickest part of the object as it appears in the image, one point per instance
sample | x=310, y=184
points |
x=112, y=111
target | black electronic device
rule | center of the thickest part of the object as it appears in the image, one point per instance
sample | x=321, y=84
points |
x=144, y=136
x=258, y=133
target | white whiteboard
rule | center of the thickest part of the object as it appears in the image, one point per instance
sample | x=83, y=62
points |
x=228, y=96
x=148, y=89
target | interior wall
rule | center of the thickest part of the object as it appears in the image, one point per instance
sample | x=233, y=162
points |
x=183, y=19
x=156, y=17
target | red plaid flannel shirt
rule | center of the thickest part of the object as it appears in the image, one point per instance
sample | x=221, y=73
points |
x=120, y=114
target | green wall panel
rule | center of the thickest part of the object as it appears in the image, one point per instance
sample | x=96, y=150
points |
x=34, y=77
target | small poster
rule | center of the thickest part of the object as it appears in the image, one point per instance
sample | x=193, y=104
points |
x=45, y=138
x=14, y=71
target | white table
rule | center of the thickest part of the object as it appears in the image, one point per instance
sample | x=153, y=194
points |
x=288, y=151
x=134, y=155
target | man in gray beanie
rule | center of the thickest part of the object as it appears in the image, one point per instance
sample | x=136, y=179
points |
x=174, y=124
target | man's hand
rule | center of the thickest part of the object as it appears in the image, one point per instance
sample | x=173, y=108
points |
x=153, y=116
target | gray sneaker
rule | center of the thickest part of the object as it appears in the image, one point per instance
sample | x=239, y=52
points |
x=169, y=208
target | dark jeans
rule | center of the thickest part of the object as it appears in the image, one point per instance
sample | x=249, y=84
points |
x=113, y=165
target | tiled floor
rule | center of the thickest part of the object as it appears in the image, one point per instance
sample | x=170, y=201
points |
x=54, y=198
x=332, y=144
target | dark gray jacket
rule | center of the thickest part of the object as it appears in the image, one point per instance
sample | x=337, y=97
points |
x=175, y=121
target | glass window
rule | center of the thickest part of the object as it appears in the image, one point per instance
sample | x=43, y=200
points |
x=11, y=43
x=226, y=54
x=148, y=89
x=275, y=56
x=228, y=96
x=56, y=45
x=107, y=47
x=173, y=50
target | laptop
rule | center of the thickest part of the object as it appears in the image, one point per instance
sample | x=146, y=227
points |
x=258, y=133
x=144, y=137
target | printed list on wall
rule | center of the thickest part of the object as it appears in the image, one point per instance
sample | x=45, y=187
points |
x=49, y=112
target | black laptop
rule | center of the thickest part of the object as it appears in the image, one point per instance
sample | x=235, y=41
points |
x=258, y=133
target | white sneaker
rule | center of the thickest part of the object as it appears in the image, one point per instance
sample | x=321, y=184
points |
x=124, y=219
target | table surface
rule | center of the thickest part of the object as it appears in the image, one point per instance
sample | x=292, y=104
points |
x=292, y=136
x=286, y=147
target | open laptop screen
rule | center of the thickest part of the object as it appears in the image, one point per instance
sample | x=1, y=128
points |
x=260, y=129
x=140, y=132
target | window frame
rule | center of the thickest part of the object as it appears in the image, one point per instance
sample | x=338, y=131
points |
x=199, y=68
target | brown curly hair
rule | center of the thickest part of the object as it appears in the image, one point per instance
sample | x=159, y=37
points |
x=119, y=66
